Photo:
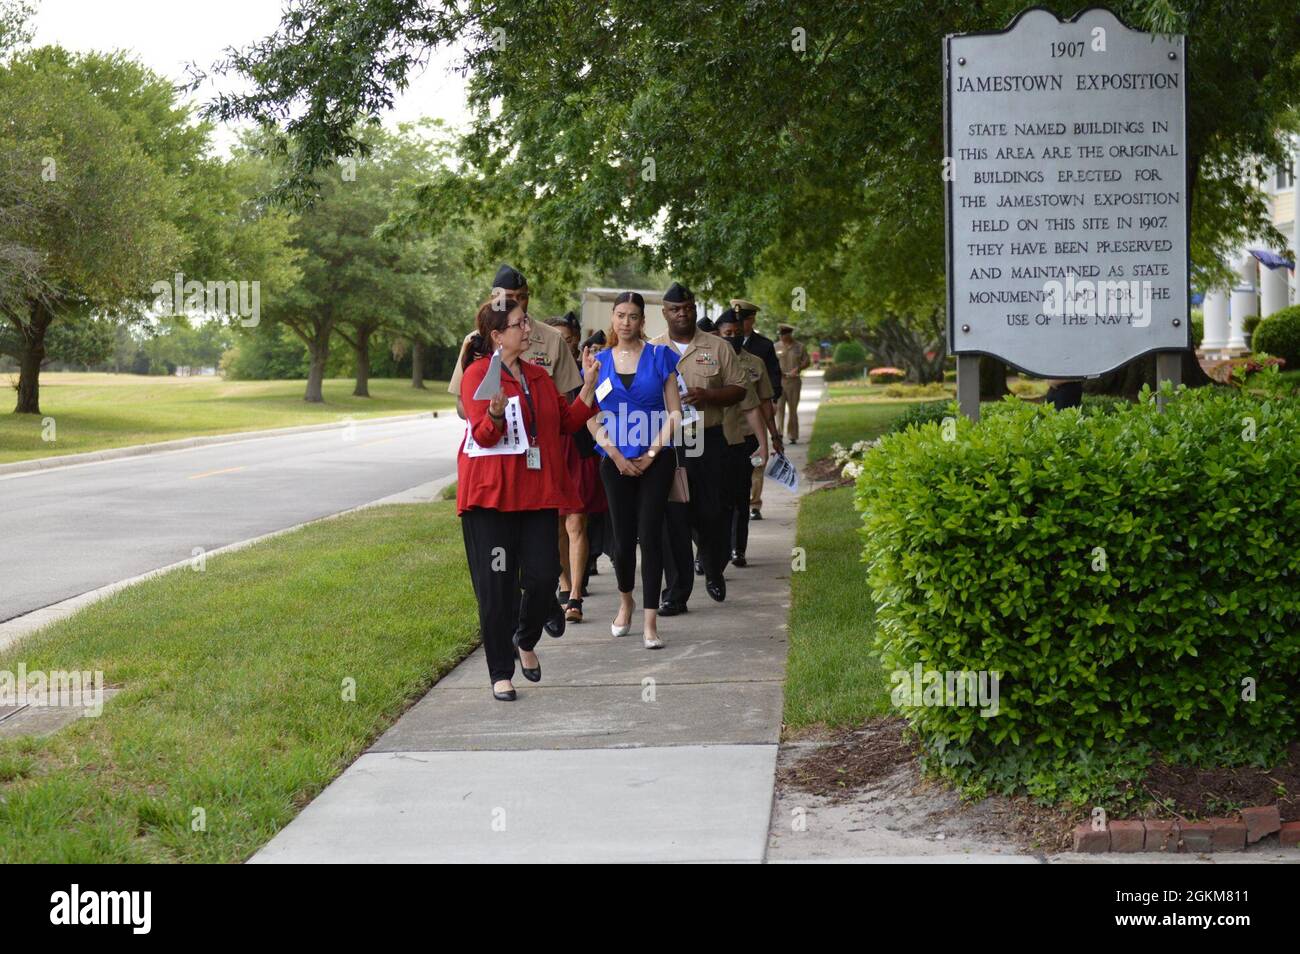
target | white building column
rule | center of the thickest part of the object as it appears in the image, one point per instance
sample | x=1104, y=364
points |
x=1215, y=309
x=1272, y=290
x=1295, y=215
x=1245, y=301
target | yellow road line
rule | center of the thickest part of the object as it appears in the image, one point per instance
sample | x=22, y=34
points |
x=211, y=473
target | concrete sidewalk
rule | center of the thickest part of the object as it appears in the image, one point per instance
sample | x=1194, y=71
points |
x=620, y=754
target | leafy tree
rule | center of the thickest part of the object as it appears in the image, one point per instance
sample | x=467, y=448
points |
x=706, y=135
x=91, y=225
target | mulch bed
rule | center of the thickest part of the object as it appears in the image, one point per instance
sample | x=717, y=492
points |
x=1180, y=791
x=827, y=473
x=853, y=760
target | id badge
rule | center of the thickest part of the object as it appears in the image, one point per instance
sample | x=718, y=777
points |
x=533, y=458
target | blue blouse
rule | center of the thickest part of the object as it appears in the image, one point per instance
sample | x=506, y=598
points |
x=634, y=416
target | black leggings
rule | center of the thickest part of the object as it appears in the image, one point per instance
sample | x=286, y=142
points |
x=636, y=511
x=510, y=552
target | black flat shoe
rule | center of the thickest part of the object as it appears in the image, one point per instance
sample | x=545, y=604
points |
x=554, y=624
x=755, y=514
x=738, y=559
x=669, y=608
x=717, y=589
x=532, y=675
x=508, y=696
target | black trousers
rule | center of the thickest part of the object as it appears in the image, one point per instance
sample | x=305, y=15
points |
x=636, y=512
x=740, y=473
x=701, y=519
x=513, y=563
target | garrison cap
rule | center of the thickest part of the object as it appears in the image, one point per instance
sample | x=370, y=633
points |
x=705, y=324
x=730, y=316
x=678, y=293
x=509, y=278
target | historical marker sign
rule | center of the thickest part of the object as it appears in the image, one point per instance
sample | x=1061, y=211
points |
x=1067, y=193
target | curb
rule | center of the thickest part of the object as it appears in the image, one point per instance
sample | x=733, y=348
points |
x=185, y=443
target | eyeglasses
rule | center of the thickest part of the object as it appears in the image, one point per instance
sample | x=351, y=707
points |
x=523, y=322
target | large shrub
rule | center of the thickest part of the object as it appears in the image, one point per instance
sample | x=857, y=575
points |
x=1125, y=571
x=850, y=352
x=1279, y=335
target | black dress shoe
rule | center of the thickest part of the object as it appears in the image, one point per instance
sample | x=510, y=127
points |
x=755, y=513
x=554, y=624
x=670, y=608
x=508, y=696
x=717, y=589
x=699, y=568
x=532, y=675
x=738, y=559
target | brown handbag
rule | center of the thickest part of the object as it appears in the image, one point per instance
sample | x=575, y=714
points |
x=680, y=491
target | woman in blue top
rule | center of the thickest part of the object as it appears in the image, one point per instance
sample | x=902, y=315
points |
x=639, y=409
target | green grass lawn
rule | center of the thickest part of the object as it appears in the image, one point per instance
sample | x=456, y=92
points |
x=232, y=689
x=844, y=423
x=98, y=411
x=833, y=676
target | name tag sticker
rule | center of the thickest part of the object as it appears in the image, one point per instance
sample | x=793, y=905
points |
x=603, y=389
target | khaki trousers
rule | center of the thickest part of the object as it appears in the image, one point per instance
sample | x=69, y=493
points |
x=791, y=385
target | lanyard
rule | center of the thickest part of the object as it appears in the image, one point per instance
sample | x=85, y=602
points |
x=522, y=381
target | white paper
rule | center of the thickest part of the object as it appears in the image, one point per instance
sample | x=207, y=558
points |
x=690, y=413
x=513, y=441
x=487, y=388
x=783, y=472
x=603, y=389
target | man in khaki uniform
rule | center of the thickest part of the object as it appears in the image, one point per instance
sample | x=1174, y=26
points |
x=746, y=425
x=713, y=380
x=793, y=358
x=761, y=347
x=546, y=347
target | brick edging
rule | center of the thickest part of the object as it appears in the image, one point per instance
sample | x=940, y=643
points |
x=1200, y=837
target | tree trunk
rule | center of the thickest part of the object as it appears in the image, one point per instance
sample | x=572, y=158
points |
x=417, y=365
x=1127, y=380
x=362, y=349
x=29, y=376
x=30, y=358
x=319, y=349
x=993, y=379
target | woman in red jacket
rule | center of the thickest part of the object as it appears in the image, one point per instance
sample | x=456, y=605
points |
x=512, y=482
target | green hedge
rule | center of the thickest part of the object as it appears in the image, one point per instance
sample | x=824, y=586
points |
x=850, y=352
x=844, y=371
x=1279, y=335
x=1124, y=571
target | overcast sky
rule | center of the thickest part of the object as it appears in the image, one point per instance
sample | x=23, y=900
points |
x=167, y=34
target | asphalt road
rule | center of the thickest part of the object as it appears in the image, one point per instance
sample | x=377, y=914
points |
x=69, y=530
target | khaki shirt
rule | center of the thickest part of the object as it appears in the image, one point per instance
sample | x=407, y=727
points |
x=708, y=362
x=546, y=349
x=793, y=359
x=758, y=388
